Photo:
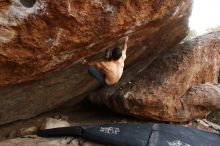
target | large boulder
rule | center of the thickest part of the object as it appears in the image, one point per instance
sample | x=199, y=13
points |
x=199, y=101
x=46, y=35
x=42, y=42
x=160, y=91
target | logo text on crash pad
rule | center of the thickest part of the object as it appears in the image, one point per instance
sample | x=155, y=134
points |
x=109, y=130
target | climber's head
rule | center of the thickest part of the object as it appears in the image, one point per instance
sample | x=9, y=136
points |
x=116, y=53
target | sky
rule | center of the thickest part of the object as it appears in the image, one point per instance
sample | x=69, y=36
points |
x=205, y=14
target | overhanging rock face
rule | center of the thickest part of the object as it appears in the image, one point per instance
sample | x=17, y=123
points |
x=161, y=90
x=42, y=41
x=45, y=35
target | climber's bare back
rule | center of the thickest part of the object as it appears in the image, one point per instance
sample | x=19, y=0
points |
x=112, y=69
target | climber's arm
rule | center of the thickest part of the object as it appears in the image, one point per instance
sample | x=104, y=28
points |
x=99, y=64
x=83, y=61
x=125, y=48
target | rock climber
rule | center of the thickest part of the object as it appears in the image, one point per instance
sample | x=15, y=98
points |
x=109, y=72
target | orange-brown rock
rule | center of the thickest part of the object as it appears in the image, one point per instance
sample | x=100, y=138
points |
x=46, y=35
x=42, y=41
x=199, y=101
x=158, y=91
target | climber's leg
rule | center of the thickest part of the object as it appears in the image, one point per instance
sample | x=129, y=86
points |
x=97, y=75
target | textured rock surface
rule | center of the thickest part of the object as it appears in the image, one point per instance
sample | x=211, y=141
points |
x=157, y=91
x=50, y=34
x=37, y=141
x=45, y=41
x=200, y=100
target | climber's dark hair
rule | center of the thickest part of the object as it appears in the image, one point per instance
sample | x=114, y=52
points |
x=116, y=53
